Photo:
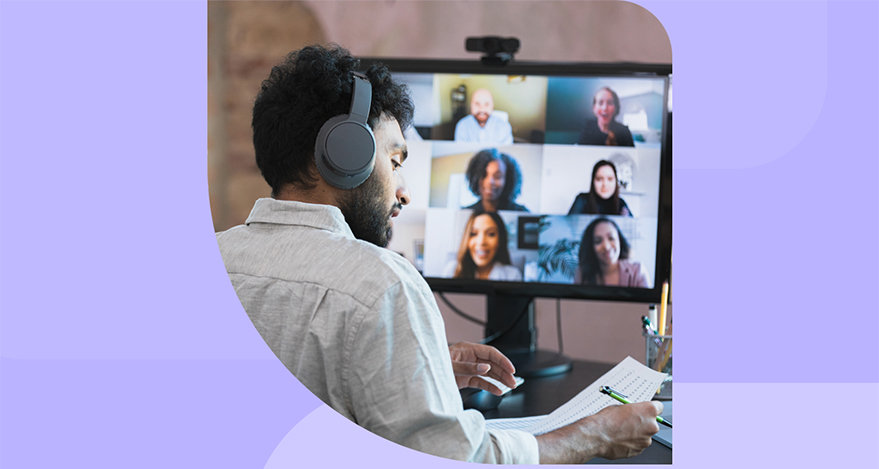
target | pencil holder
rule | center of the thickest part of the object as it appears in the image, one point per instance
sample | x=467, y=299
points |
x=659, y=357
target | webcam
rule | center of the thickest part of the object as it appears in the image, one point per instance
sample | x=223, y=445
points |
x=498, y=50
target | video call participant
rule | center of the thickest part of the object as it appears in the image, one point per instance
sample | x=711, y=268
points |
x=603, y=197
x=481, y=126
x=354, y=322
x=604, y=258
x=484, y=252
x=604, y=129
x=496, y=179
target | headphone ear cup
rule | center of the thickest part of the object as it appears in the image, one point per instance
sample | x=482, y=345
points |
x=345, y=152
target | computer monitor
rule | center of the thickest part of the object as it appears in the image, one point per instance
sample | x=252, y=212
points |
x=537, y=180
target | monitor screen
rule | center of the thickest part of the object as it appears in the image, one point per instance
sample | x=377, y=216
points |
x=538, y=179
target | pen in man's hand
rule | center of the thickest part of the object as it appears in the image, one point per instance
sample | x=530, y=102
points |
x=622, y=398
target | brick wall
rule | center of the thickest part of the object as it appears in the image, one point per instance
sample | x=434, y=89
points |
x=245, y=39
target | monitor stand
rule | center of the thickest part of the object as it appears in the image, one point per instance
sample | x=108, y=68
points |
x=519, y=341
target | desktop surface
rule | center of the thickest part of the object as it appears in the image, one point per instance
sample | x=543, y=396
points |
x=541, y=396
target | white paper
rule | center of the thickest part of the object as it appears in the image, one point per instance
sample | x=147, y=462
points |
x=521, y=423
x=503, y=387
x=638, y=382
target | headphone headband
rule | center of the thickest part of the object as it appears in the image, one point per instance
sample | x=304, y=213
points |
x=362, y=97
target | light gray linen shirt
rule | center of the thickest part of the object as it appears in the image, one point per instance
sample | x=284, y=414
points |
x=359, y=327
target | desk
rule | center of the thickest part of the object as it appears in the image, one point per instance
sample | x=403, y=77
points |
x=541, y=396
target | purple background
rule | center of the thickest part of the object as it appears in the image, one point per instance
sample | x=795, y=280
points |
x=123, y=344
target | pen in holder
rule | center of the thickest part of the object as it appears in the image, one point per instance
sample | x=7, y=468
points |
x=658, y=357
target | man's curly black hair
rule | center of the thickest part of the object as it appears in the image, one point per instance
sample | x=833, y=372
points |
x=305, y=90
x=512, y=181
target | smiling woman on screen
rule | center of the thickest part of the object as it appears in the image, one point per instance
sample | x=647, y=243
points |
x=496, y=179
x=604, y=258
x=484, y=253
x=604, y=129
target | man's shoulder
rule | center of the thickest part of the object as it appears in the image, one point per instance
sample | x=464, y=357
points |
x=306, y=255
x=367, y=272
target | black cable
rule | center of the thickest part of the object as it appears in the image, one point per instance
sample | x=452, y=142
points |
x=458, y=311
x=558, y=318
x=466, y=316
x=508, y=327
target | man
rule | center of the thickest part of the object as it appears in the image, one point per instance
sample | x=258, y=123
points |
x=354, y=322
x=481, y=125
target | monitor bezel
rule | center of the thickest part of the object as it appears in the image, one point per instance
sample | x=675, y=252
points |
x=572, y=69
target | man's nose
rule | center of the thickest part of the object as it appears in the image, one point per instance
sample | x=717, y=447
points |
x=403, y=196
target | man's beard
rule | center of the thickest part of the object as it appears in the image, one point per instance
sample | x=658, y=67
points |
x=366, y=213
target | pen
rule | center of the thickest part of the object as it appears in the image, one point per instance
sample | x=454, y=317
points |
x=648, y=330
x=645, y=321
x=622, y=398
x=652, y=316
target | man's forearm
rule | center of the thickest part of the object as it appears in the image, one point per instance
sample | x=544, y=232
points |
x=619, y=431
x=572, y=444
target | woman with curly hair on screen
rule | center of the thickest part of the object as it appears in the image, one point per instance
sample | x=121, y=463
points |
x=496, y=179
x=604, y=258
x=484, y=253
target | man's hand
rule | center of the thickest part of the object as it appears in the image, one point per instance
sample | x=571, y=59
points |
x=472, y=360
x=618, y=431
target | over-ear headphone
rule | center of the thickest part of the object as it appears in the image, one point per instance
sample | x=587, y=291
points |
x=345, y=147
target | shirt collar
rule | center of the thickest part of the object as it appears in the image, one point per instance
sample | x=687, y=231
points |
x=287, y=212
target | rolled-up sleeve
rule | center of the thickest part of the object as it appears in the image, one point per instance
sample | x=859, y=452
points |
x=401, y=385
